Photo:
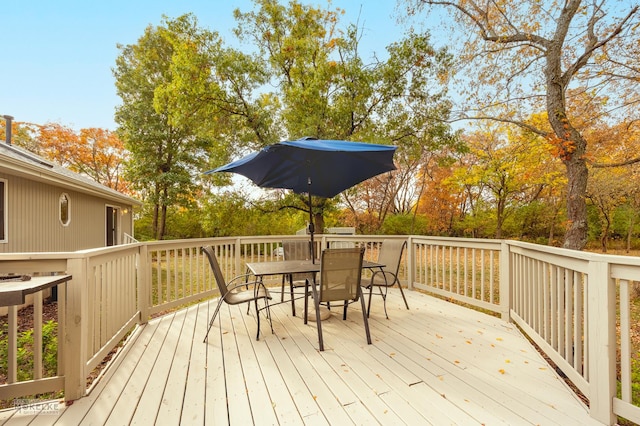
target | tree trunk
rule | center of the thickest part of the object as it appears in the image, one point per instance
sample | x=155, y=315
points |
x=630, y=231
x=577, y=174
x=162, y=225
x=604, y=237
x=154, y=222
x=571, y=147
x=318, y=219
x=500, y=216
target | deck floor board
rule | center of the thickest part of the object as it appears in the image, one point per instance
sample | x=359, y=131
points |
x=436, y=363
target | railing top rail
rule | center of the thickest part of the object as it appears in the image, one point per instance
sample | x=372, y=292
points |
x=576, y=254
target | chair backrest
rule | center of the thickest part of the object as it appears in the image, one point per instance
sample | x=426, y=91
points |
x=296, y=250
x=340, y=271
x=390, y=255
x=215, y=267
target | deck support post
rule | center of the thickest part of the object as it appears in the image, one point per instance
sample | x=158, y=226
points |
x=505, y=282
x=601, y=318
x=411, y=261
x=76, y=333
x=144, y=283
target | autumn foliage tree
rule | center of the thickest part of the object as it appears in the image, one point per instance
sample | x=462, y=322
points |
x=520, y=57
x=93, y=152
x=611, y=188
x=505, y=170
x=97, y=153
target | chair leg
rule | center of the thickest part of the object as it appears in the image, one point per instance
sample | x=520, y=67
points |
x=266, y=301
x=344, y=314
x=370, y=295
x=258, y=317
x=306, y=300
x=213, y=318
x=364, y=318
x=316, y=303
x=268, y=309
x=282, y=290
x=403, y=296
x=293, y=302
x=384, y=299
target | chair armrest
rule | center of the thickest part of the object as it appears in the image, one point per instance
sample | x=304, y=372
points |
x=254, y=283
x=242, y=276
x=387, y=282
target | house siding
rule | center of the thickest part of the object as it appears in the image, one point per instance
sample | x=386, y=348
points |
x=33, y=218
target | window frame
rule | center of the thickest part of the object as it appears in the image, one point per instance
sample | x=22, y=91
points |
x=64, y=196
x=4, y=204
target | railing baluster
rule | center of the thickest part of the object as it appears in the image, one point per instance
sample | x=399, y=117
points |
x=625, y=341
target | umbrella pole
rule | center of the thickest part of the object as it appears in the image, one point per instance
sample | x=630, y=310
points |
x=311, y=227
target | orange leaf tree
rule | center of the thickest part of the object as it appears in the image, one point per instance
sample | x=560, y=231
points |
x=520, y=57
x=94, y=152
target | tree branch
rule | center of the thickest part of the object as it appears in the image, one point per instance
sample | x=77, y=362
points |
x=611, y=165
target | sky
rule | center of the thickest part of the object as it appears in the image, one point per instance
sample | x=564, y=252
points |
x=57, y=56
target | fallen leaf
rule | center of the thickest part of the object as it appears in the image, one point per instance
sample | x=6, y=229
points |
x=507, y=361
x=501, y=371
x=499, y=339
x=469, y=342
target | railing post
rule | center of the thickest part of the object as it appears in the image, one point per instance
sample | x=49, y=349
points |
x=238, y=257
x=144, y=282
x=601, y=329
x=505, y=281
x=75, y=338
x=411, y=261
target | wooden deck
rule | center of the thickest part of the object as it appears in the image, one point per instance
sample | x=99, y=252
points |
x=437, y=363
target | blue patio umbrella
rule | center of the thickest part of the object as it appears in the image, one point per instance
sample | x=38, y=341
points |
x=322, y=168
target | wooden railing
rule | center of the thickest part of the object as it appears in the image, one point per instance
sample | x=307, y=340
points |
x=577, y=307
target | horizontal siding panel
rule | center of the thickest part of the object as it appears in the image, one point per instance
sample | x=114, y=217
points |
x=34, y=224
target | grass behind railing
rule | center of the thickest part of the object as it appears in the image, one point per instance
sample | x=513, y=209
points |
x=25, y=357
x=472, y=273
x=634, y=320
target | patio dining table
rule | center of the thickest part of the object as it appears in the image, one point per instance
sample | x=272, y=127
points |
x=290, y=267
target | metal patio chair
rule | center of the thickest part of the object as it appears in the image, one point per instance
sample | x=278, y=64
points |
x=340, y=275
x=390, y=255
x=234, y=294
x=295, y=250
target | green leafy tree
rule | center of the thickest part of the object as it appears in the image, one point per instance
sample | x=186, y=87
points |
x=231, y=214
x=327, y=90
x=165, y=152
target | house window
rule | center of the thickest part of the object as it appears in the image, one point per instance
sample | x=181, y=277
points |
x=65, y=210
x=3, y=211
